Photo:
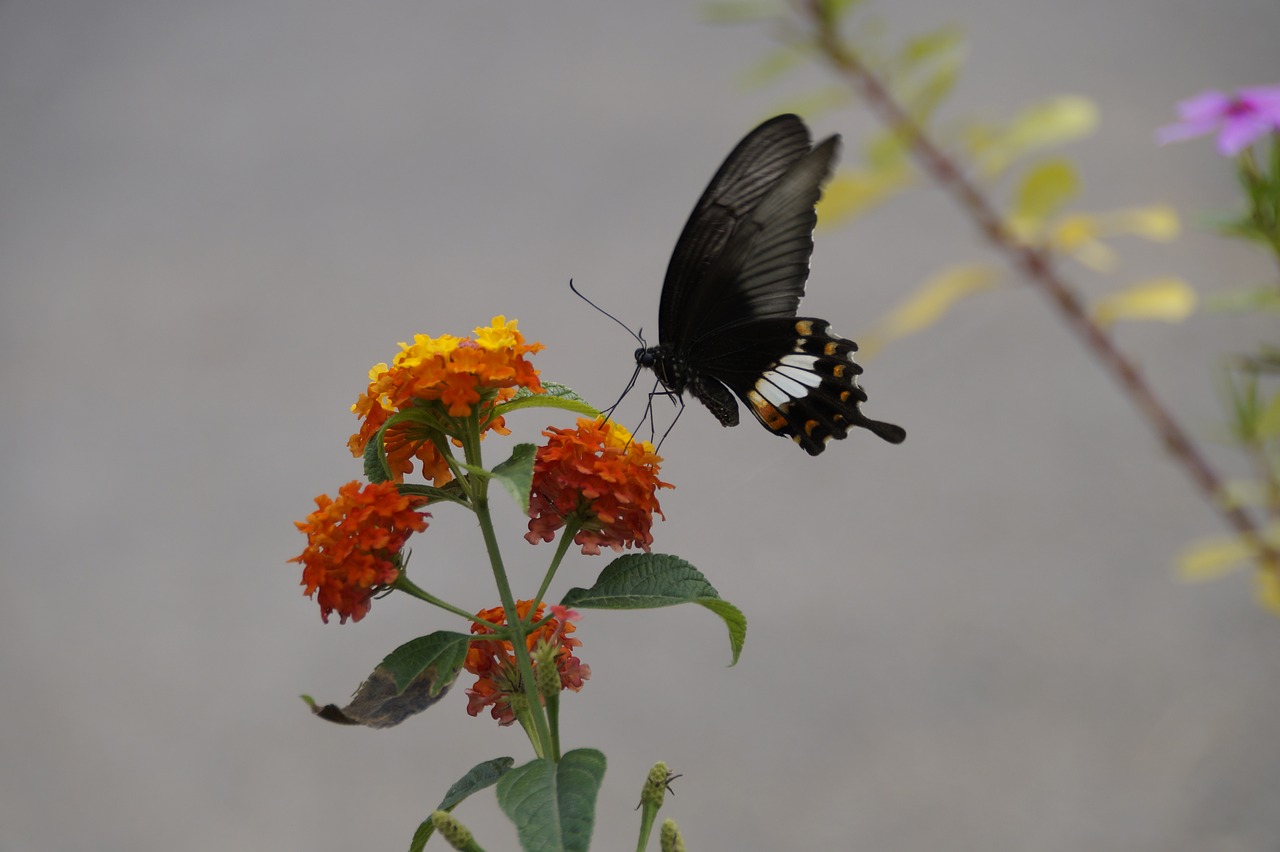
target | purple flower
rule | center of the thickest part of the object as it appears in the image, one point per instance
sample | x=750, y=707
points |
x=1244, y=118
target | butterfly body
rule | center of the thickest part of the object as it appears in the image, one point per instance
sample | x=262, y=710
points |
x=727, y=320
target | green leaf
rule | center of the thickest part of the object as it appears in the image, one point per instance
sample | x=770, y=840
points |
x=1268, y=425
x=733, y=619
x=1044, y=191
x=1052, y=122
x=652, y=580
x=553, y=804
x=1164, y=299
x=481, y=776
x=554, y=395
x=442, y=651
x=886, y=152
x=516, y=474
x=409, y=680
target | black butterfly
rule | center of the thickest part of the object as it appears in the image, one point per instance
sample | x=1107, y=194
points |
x=727, y=321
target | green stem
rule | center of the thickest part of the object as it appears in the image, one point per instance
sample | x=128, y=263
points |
x=571, y=528
x=553, y=720
x=540, y=736
x=404, y=584
x=646, y=826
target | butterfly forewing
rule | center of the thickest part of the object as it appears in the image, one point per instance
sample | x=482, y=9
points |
x=747, y=174
x=762, y=269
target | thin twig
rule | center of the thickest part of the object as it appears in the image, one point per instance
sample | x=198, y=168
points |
x=1036, y=264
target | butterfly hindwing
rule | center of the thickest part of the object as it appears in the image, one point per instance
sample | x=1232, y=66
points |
x=796, y=376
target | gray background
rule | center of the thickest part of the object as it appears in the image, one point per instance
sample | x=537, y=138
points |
x=215, y=216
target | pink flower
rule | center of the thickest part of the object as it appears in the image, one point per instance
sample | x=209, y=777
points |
x=1242, y=119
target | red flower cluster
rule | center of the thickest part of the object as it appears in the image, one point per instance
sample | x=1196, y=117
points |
x=599, y=477
x=458, y=374
x=353, y=546
x=495, y=662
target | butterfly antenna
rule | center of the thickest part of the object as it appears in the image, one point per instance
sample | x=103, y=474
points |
x=606, y=313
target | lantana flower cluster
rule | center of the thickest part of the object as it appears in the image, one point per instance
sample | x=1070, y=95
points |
x=598, y=477
x=353, y=545
x=461, y=374
x=494, y=660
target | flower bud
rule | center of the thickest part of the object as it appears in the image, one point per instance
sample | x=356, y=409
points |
x=657, y=785
x=457, y=834
x=670, y=839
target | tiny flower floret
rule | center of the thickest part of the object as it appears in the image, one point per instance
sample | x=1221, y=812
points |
x=599, y=478
x=499, y=685
x=353, y=546
x=1240, y=119
x=456, y=378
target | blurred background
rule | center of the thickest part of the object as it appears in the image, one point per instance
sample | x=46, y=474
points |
x=214, y=217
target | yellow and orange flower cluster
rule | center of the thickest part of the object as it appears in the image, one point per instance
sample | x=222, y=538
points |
x=461, y=375
x=602, y=479
x=353, y=545
x=495, y=662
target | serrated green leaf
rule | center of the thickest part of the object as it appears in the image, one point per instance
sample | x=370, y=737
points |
x=555, y=395
x=516, y=474
x=553, y=804
x=653, y=580
x=643, y=581
x=481, y=776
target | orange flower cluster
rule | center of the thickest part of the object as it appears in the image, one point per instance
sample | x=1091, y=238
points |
x=495, y=662
x=459, y=374
x=602, y=479
x=353, y=546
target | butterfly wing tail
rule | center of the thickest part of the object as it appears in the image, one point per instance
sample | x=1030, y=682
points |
x=890, y=432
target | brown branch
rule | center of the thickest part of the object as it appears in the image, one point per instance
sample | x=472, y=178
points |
x=1036, y=264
